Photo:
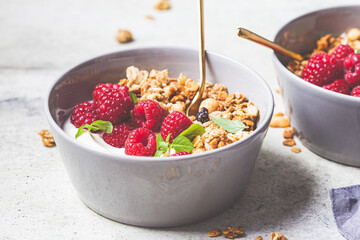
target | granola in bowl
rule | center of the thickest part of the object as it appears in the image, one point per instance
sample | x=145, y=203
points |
x=145, y=114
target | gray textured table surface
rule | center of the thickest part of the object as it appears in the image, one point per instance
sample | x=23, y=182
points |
x=41, y=39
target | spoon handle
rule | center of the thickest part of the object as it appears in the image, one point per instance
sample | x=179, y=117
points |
x=195, y=104
x=202, y=47
x=244, y=33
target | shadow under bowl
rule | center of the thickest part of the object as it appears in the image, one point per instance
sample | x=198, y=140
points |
x=157, y=192
x=328, y=123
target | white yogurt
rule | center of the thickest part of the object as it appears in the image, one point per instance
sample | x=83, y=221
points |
x=93, y=140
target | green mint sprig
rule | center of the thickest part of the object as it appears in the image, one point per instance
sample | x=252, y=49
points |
x=134, y=98
x=97, y=125
x=229, y=125
x=358, y=51
x=182, y=143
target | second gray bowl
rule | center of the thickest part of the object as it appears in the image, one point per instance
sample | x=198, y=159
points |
x=328, y=123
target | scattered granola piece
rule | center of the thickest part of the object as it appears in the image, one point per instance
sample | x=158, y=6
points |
x=295, y=149
x=47, y=138
x=288, y=132
x=289, y=142
x=258, y=238
x=124, y=36
x=237, y=230
x=148, y=17
x=162, y=5
x=277, y=91
x=232, y=232
x=214, y=233
x=279, y=122
x=277, y=236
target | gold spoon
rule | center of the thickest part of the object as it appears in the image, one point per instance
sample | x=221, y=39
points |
x=195, y=104
x=244, y=33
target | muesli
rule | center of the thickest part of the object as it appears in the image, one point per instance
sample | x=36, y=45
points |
x=145, y=114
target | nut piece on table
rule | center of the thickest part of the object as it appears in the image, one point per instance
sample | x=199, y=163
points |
x=295, y=149
x=288, y=132
x=258, y=238
x=47, y=138
x=214, y=233
x=289, y=142
x=277, y=236
x=279, y=122
x=162, y=5
x=232, y=232
x=124, y=36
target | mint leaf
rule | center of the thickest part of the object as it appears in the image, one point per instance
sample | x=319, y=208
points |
x=182, y=144
x=161, y=146
x=229, y=125
x=133, y=97
x=191, y=132
x=97, y=125
x=168, y=138
x=104, y=126
x=358, y=51
x=158, y=153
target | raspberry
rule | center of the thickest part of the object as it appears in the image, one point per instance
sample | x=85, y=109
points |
x=101, y=87
x=149, y=114
x=321, y=69
x=203, y=115
x=84, y=113
x=113, y=102
x=118, y=136
x=175, y=123
x=141, y=142
x=179, y=154
x=356, y=91
x=352, y=69
x=339, y=86
x=341, y=52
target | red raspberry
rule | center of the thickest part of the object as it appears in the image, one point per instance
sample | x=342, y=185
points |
x=84, y=113
x=149, y=114
x=175, y=123
x=356, y=91
x=179, y=154
x=321, y=69
x=118, y=136
x=141, y=142
x=113, y=102
x=101, y=87
x=352, y=69
x=339, y=86
x=341, y=52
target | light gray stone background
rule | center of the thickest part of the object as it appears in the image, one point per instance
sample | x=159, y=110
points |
x=41, y=39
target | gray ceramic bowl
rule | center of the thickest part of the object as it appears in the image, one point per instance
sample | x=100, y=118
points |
x=157, y=192
x=328, y=123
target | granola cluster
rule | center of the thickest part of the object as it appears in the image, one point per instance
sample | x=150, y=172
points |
x=47, y=138
x=176, y=94
x=327, y=44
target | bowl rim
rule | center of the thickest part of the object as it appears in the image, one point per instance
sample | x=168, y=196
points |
x=260, y=128
x=335, y=95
